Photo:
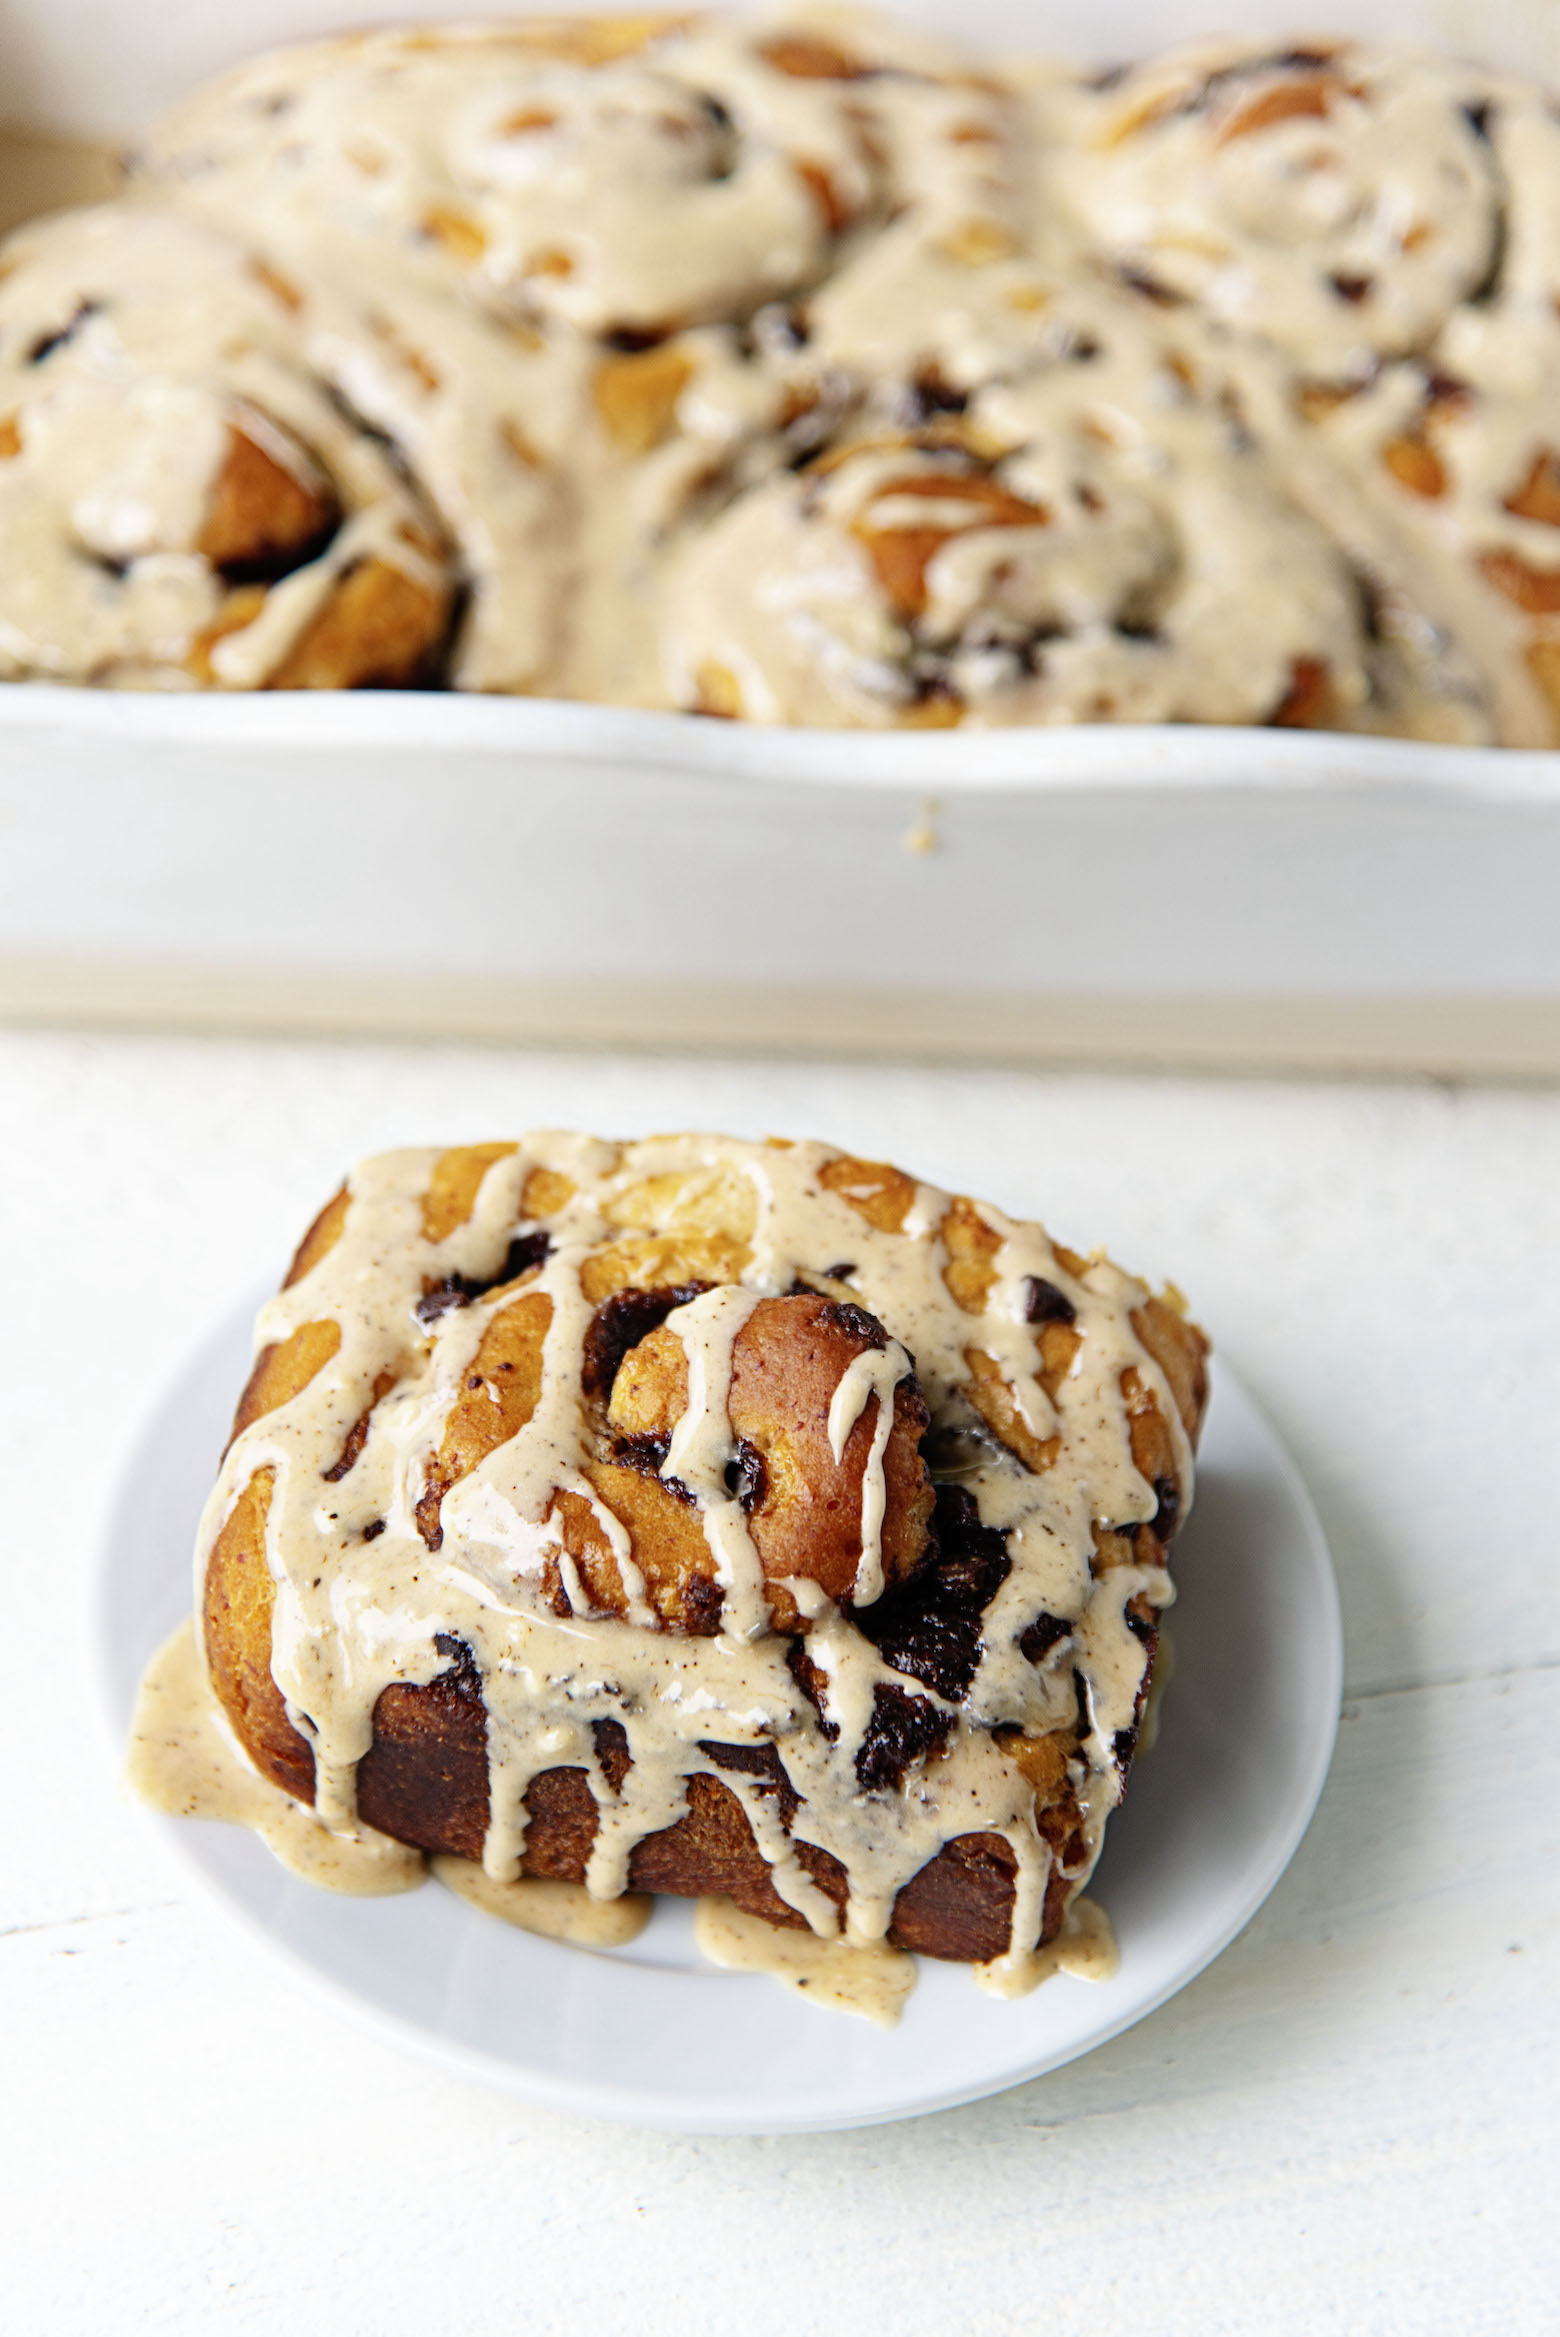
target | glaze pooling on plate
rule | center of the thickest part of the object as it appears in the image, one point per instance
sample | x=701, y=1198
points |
x=648, y=2033
x=513, y=1426
x=185, y=1760
x=576, y=358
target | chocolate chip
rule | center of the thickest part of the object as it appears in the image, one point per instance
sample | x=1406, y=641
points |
x=46, y=343
x=646, y=1456
x=1044, y=1303
x=526, y=1251
x=702, y=1600
x=1352, y=289
x=929, y=1626
x=929, y=395
x=841, y=1315
x=903, y=1728
x=746, y=1476
x=373, y=1530
x=1041, y=1636
x=813, y=1682
x=1149, y=287
x=618, y=1325
x=1167, y=1515
x=440, y=1298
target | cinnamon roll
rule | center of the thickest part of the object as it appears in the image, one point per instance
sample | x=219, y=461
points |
x=788, y=367
x=1090, y=540
x=702, y=1516
x=1335, y=198
x=1452, y=487
x=626, y=175
x=181, y=500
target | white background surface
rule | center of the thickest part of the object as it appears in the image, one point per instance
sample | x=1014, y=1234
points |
x=1349, y=2123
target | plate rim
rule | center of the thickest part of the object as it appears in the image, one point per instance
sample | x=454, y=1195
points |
x=599, y=2099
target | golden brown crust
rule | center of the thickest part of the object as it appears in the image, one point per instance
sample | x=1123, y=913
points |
x=454, y=1185
x=282, y=1371
x=882, y=1194
x=901, y=556
x=498, y=1397
x=262, y=514
x=236, y=1623
x=425, y=1782
x=635, y=395
x=381, y=628
x=320, y=1239
x=804, y=1506
x=1181, y=1351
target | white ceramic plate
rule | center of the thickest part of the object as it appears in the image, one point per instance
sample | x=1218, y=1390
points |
x=651, y=2033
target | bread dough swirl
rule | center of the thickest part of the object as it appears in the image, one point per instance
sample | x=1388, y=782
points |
x=1336, y=198
x=1087, y=540
x=622, y=174
x=517, y=1401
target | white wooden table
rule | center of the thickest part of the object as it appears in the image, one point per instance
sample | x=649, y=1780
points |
x=1348, y=2124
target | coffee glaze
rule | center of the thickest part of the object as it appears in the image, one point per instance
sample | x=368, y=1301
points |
x=383, y=1561
x=550, y=1909
x=870, y=1981
x=185, y=1761
x=1086, y=535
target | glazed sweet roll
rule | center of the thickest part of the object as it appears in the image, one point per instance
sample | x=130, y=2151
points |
x=626, y=175
x=1452, y=486
x=706, y=1517
x=792, y=367
x=1091, y=540
x=1336, y=199
x=181, y=500
x=1445, y=467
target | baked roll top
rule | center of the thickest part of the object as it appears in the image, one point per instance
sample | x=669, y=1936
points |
x=1337, y=198
x=180, y=497
x=706, y=1516
x=1087, y=536
x=628, y=175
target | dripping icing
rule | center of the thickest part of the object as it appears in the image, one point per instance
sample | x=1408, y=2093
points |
x=355, y=1615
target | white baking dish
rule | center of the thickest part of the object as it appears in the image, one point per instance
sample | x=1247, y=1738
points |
x=508, y=867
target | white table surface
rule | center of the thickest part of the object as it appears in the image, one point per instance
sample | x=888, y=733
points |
x=1348, y=2124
